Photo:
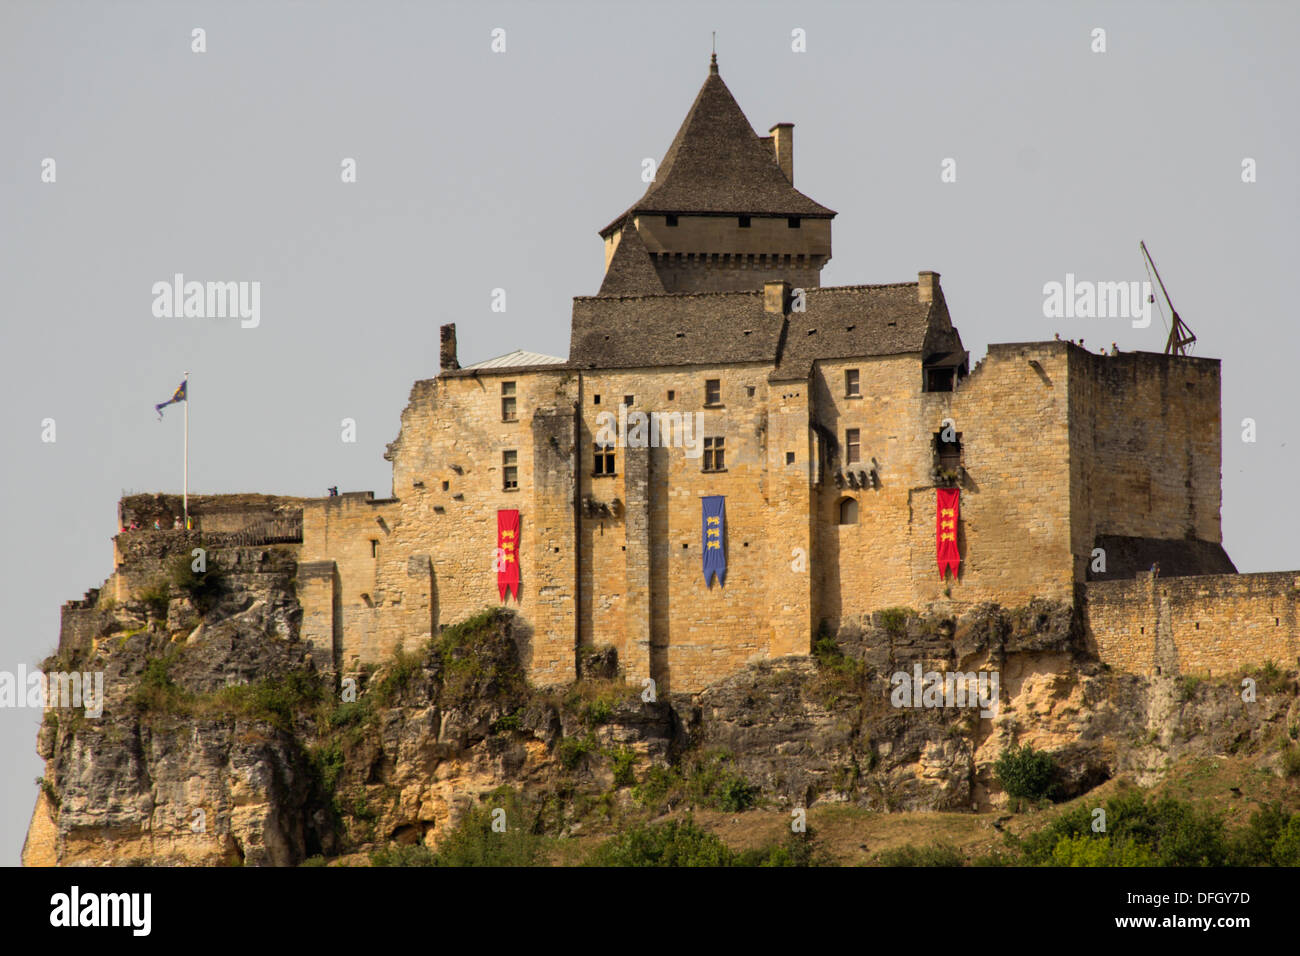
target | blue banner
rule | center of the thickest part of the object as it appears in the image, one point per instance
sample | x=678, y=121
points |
x=713, y=525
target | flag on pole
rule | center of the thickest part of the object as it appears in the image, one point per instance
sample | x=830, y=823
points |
x=177, y=396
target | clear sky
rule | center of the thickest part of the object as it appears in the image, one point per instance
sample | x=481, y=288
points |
x=479, y=170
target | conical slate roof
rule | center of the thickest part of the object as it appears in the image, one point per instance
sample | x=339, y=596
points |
x=630, y=270
x=718, y=164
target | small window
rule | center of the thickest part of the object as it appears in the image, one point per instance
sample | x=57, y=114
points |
x=789, y=458
x=848, y=511
x=852, y=389
x=670, y=220
x=446, y=485
x=744, y=222
x=508, y=409
x=595, y=399
x=510, y=470
x=749, y=391
x=852, y=446
x=628, y=399
x=671, y=395
x=604, y=459
x=713, y=391
x=793, y=222
x=374, y=548
x=714, y=452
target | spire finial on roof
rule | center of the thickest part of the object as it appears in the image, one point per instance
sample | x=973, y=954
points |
x=713, y=60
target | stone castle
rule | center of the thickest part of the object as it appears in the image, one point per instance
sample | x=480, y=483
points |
x=827, y=418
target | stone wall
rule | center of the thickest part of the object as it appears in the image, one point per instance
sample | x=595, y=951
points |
x=1209, y=625
x=1145, y=448
x=1013, y=535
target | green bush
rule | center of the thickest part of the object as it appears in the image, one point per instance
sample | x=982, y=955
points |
x=1025, y=773
x=156, y=692
x=471, y=663
x=398, y=855
x=799, y=849
x=1083, y=850
x=570, y=751
x=156, y=596
x=623, y=759
x=1291, y=761
x=676, y=843
x=940, y=854
x=473, y=842
x=894, y=620
x=199, y=587
x=398, y=673
x=1173, y=832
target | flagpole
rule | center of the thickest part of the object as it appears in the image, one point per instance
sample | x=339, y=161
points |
x=185, y=500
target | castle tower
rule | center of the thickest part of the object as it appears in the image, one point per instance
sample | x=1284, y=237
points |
x=722, y=214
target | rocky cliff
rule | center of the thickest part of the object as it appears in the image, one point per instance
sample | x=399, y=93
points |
x=222, y=743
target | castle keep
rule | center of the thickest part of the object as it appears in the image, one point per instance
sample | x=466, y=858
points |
x=828, y=419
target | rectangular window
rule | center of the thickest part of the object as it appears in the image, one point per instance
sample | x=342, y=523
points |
x=744, y=222
x=714, y=452
x=789, y=458
x=604, y=459
x=510, y=470
x=508, y=410
x=713, y=391
x=595, y=399
x=851, y=386
x=793, y=222
x=670, y=219
x=671, y=394
x=627, y=400
x=852, y=446
x=374, y=548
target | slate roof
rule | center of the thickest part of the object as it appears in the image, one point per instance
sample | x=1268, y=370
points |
x=630, y=270
x=718, y=164
x=1126, y=556
x=716, y=328
x=517, y=359
x=853, y=321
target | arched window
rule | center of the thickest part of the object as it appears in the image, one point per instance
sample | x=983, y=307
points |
x=848, y=511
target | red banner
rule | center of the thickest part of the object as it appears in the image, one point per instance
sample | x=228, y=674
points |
x=507, y=561
x=945, y=530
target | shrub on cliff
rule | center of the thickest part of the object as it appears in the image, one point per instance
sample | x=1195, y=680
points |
x=480, y=662
x=498, y=832
x=1025, y=773
x=1164, y=832
x=676, y=843
x=940, y=854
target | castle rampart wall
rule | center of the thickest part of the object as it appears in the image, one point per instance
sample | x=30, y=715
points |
x=1205, y=625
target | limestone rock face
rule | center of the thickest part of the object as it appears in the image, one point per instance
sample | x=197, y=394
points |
x=221, y=743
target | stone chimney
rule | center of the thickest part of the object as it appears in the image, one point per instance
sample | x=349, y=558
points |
x=776, y=297
x=448, y=336
x=783, y=145
x=927, y=284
